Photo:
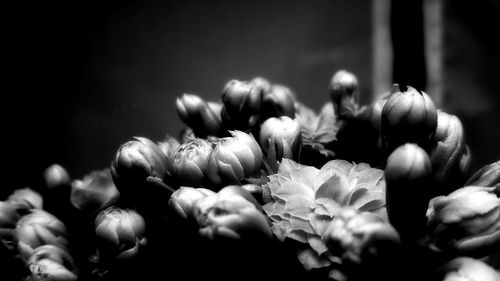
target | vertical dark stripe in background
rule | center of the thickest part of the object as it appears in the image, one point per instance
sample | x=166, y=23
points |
x=407, y=32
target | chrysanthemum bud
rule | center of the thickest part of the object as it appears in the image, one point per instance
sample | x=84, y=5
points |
x=188, y=163
x=120, y=233
x=241, y=105
x=38, y=228
x=26, y=198
x=228, y=215
x=134, y=162
x=279, y=101
x=94, y=192
x=466, y=222
x=408, y=117
x=204, y=118
x=281, y=138
x=234, y=158
x=344, y=91
x=51, y=263
x=408, y=177
x=450, y=155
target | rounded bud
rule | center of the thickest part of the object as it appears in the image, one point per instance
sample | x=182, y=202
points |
x=279, y=101
x=204, y=118
x=281, y=138
x=183, y=200
x=465, y=268
x=94, y=192
x=26, y=198
x=344, y=91
x=241, y=105
x=188, y=163
x=55, y=176
x=408, y=117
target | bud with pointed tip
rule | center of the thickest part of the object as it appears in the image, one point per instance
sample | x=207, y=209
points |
x=279, y=101
x=281, y=138
x=188, y=163
x=344, y=92
x=38, y=228
x=408, y=176
x=51, y=263
x=450, y=155
x=134, y=162
x=408, y=117
x=94, y=192
x=204, y=118
x=26, y=198
x=241, y=105
x=466, y=222
x=234, y=158
x=120, y=233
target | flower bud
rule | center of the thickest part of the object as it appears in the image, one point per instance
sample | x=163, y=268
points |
x=279, y=101
x=39, y=228
x=241, y=105
x=51, y=263
x=94, y=192
x=281, y=138
x=56, y=176
x=234, y=158
x=135, y=161
x=204, y=118
x=408, y=117
x=466, y=222
x=450, y=156
x=344, y=92
x=188, y=163
x=26, y=198
x=362, y=239
x=120, y=233
x=263, y=84
x=168, y=145
x=408, y=177
x=183, y=199
x=488, y=175
x=228, y=215
x=9, y=216
x=467, y=269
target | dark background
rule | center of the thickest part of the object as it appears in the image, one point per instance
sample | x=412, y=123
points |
x=85, y=76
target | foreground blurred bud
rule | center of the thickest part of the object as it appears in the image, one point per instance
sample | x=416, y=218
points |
x=488, y=175
x=120, y=233
x=408, y=177
x=204, y=118
x=450, y=155
x=234, y=158
x=408, y=117
x=280, y=138
x=466, y=222
x=56, y=176
x=39, y=228
x=344, y=91
x=9, y=216
x=241, y=105
x=188, y=163
x=183, y=199
x=168, y=145
x=94, y=192
x=467, y=269
x=279, y=101
x=135, y=161
x=228, y=215
x=362, y=239
x=26, y=198
x=51, y=263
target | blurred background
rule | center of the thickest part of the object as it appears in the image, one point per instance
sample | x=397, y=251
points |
x=86, y=76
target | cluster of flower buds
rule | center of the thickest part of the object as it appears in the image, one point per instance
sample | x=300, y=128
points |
x=408, y=117
x=466, y=222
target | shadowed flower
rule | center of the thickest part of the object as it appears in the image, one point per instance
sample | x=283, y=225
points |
x=204, y=118
x=120, y=233
x=39, y=228
x=278, y=101
x=466, y=222
x=234, y=158
x=94, y=192
x=51, y=263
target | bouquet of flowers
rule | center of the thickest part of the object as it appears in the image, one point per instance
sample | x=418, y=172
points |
x=259, y=186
